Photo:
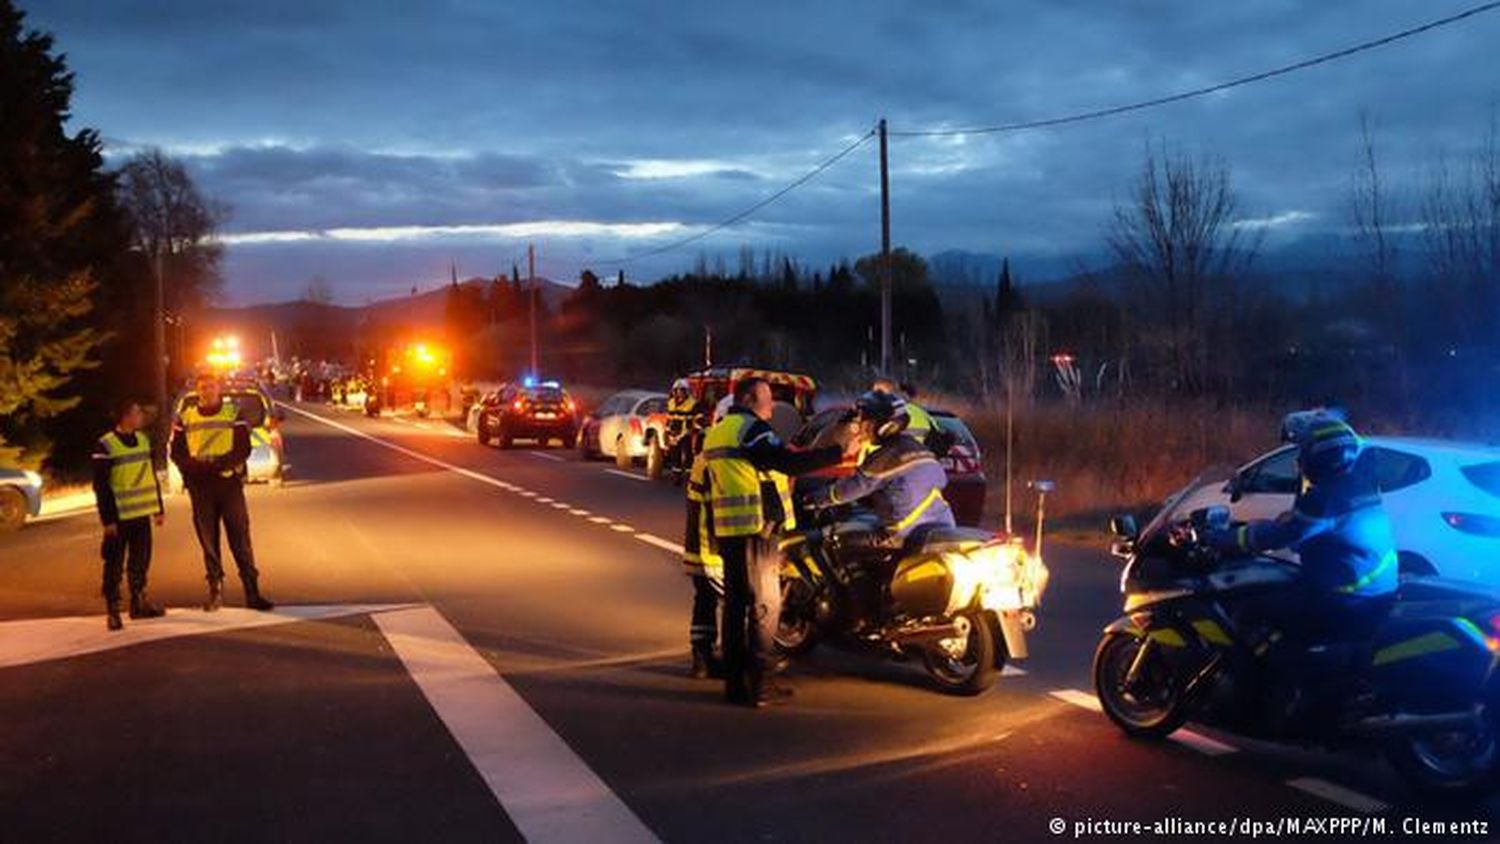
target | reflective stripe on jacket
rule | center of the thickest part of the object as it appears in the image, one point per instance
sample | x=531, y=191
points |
x=737, y=490
x=131, y=479
x=902, y=482
x=699, y=556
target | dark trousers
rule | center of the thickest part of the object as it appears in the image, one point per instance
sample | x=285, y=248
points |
x=132, y=541
x=708, y=593
x=752, y=611
x=222, y=501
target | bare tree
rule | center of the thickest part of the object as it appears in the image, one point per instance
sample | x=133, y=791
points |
x=1181, y=249
x=1461, y=228
x=1372, y=210
x=171, y=220
x=318, y=291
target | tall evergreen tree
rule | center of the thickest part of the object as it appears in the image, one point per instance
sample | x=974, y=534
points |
x=57, y=221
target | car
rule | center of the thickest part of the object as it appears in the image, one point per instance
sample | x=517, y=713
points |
x=532, y=410
x=267, y=462
x=1443, y=498
x=20, y=497
x=623, y=426
x=471, y=416
x=960, y=457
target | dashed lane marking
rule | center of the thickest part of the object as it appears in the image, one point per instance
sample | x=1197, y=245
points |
x=542, y=499
x=599, y=520
x=545, y=456
x=576, y=512
x=1345, y=797
x=622, y=528
x=663, y=544
x=541, y=784
x=561, y=505
x=624, y=474
x=1077, y=698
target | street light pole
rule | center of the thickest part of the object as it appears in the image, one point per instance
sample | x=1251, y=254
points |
x=160, y=321
x=885, y=257
x=531, y=277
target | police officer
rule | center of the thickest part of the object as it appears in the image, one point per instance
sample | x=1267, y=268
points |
x=1342, y=535
x=750, y=505
x=128, y=496
x=900, y=480
x=919, y=425
x=210, y=444
x=701, y=562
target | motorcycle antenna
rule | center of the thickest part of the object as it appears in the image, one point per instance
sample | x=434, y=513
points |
x=1010, y=419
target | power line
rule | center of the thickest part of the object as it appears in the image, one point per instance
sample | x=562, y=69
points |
x=724, y=224
x=1210, y=89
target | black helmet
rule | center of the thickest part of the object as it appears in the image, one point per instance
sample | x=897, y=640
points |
x=885, y=411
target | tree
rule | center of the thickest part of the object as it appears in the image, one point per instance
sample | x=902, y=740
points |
x=174, y=222
x=1181, y=251
x=318, y=291
x=1460, y=212
x=56, y=220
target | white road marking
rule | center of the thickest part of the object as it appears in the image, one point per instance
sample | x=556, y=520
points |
x=545, y=456
x=1077, y=698
x=1203, y=744
x=526, y=493
x=542, y=785
x=624, y=474
x=423, y=425
x=622, y=528
x=1012, y=671
x=663, y=544
x=457, y=434
x=561, y=505
x=1338, y=794
x=599, y=520
x=43, y=639
x=542, y=499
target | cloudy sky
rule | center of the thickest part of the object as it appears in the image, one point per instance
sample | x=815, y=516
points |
x=372, y=142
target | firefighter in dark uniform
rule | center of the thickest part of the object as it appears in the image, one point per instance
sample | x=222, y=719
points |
x=701, y=562
x=128, y=496
x=210, y=444
x=750, y=505
x=683, y=420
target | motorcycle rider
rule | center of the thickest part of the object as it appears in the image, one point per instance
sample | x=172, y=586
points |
x=900, y=479
x=1343, y=538
x=920, y=425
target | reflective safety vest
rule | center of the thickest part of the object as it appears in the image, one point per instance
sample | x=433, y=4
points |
x=210, y=436
x=131, y=479
x=920, y=424
x=699, y=557
x=735, y=485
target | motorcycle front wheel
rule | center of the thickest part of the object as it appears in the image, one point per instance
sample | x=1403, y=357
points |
x=1449, y=764
x=968, y=667
x=1148, y=707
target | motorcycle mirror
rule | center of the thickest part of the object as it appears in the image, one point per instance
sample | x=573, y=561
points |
x=1123, y=526
x=1235, y=486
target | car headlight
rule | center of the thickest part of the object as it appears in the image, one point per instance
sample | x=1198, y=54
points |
x=33, y=478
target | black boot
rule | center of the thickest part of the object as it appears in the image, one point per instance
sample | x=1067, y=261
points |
x=143, y=607
x=254, y=600
x=215, y=596
x=771, y=694
x=112, y=614
x=705, y=667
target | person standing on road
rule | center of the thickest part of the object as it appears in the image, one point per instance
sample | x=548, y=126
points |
x=701, y=562
x=750, y=505
x=210, y=444
x=128, y=496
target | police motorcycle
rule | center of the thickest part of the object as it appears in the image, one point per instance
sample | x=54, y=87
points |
x=961, y=599
x=1420, y=685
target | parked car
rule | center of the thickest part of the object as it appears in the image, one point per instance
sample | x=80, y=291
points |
x=20, y=497
x=267, y=462
x=532, y=410
x=1443, y=499
x=960, y=456
x=623, y=427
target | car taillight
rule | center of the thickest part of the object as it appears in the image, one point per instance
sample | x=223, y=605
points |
x=1473, y=523
x=520, y=405
x=568, y=403
x=635, y=425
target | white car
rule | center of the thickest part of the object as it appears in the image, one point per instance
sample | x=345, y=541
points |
x=622, y=427
x=1443, y=499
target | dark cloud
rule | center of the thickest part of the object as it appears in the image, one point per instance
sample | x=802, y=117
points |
x=360, y=113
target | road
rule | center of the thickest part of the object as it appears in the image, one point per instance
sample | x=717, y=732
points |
x=476, y=644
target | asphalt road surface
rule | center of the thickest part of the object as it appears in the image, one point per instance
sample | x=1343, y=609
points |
x=476, y=644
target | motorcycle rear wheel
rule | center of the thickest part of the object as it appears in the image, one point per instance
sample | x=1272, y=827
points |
x=1449, y=764
x=1139, y=717
x=973, y=672
x=797, y=632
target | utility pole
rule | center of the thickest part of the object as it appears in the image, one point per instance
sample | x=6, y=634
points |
x=160, y=320
x=708, y=345
x=885, y=256
x=531, y=275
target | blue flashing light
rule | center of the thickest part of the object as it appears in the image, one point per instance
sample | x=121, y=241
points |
x=529, y=381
